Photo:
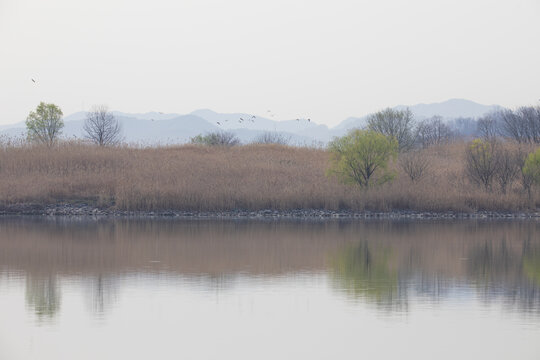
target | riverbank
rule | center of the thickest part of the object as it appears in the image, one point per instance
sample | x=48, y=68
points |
x=195, y=179
x=87, y=210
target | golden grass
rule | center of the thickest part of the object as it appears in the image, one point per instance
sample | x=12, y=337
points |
x=251, y=177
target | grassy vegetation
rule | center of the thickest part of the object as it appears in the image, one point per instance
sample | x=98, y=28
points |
x=196, y=177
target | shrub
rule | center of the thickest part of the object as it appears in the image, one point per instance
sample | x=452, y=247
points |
x=269, y=137
x=218, y=138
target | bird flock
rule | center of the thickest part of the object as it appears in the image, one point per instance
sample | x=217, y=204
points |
x=252, y=118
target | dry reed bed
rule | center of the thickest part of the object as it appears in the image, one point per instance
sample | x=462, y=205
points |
x=252, y=177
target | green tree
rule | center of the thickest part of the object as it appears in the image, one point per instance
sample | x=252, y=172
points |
x=45, y=124
x=361, y=157
x=532, y=167
x=398, y=124
x=526, y=178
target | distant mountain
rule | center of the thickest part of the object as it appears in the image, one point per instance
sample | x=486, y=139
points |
x=144, y=129
x=450, y=110
x=300, y=129
x=176, y=130
x=159, y=128
x=353, y=122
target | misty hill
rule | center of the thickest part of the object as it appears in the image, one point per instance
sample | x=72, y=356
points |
x=159, y=128
x=450, y=110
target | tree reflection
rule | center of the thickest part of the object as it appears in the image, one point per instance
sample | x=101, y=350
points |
x=103, y=292
x=43, y=296
x=364, y=271
x=390, y=274
x=531, y=265
x=491, y=261
x=499, y=271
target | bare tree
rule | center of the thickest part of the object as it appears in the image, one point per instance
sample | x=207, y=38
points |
x=414, y=164
x=511, y=126
x=522, y=125
x=487, y=127
x=507, y=167
x=530, y=118
x=433, y=131
x=102, y=127
x=397, y=124
x=481, y=163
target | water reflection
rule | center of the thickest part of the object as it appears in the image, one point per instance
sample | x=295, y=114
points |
x=389, y=264
x=365, y=270
x=101, y=293
x=43, y=296
x=388, y=269
x=531, y=265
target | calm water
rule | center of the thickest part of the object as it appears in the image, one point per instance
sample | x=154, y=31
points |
x=164, y=289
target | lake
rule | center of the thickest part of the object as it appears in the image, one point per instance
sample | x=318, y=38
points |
x=246, y=289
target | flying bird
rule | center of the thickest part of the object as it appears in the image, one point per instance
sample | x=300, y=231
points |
x=217, y=122
x=308, y=119
x=297, y=119
x=34, y=81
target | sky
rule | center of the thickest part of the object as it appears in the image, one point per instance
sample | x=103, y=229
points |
x=324, y=60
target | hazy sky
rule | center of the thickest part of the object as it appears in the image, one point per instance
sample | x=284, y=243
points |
x=299, y=58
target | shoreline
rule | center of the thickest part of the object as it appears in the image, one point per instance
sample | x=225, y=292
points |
x=87, y=210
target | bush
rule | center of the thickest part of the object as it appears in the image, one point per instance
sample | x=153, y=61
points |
x=218, y=138
x=272, y=138
x=361, y=157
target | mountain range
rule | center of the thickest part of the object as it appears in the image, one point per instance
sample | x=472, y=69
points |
x=158, y=128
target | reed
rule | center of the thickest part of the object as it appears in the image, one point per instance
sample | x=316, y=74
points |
x=251, y=177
